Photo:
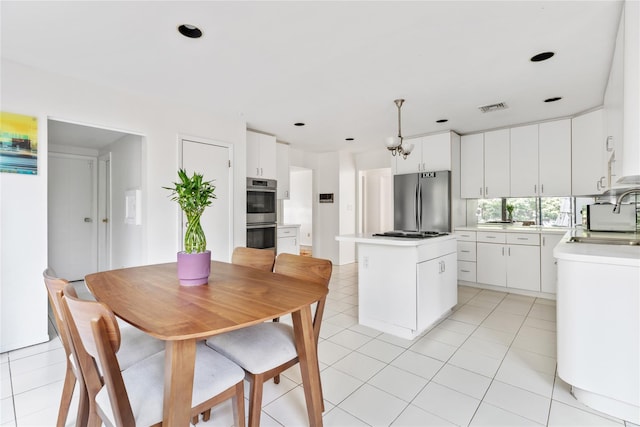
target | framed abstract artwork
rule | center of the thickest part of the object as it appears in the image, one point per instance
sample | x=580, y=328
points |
x=18, y=143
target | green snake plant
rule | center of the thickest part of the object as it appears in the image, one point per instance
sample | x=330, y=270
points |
x=193, y=194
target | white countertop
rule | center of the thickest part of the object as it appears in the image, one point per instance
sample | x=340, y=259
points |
x=391, y=241
x=288, y=225
x=626, y=255
x=514, y=228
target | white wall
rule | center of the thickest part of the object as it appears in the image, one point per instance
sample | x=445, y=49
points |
x=23, y=201
x=347, y=206
x=127, y=246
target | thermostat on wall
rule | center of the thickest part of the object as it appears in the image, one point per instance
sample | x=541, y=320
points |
x=326, y=197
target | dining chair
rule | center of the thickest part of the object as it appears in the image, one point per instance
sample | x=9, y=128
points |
x=262, y=259
x=135, y=396
x=268, y=349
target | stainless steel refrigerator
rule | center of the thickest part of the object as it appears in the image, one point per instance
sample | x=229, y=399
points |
x=422, y=201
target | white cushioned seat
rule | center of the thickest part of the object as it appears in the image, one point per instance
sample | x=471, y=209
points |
x=247, y=346
x=144, y=382
x=135, y=345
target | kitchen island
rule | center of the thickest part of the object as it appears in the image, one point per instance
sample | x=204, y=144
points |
x=598, y=320
x=405, y=285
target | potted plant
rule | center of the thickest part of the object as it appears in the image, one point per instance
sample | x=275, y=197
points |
x=193, y=194
x=510, y=208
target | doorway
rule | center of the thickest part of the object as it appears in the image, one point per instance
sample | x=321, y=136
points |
x=299, y=208
x=84, y=225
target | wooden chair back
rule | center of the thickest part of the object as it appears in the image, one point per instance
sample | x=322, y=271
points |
x=96, y=336
x=55, y=286
x=316, y=270
x=261, y=259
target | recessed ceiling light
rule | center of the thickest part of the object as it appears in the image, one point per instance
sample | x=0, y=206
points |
x=541, y=56
x=298, y=124
x=442, y=121
x=348, y=139
x=554, y=99
x=190, y=31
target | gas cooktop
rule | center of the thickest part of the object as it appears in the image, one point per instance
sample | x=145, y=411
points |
x=412, y=234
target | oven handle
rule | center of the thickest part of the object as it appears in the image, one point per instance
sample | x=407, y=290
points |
x=261, y=190
x=262, y=225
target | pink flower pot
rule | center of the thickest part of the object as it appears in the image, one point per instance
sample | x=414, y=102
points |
x=194, y=269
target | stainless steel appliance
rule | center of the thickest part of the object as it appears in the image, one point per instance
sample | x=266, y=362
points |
x=261, y=201
x=261, y=213
x=422, y=202
x=261, y=236
x=600, y=217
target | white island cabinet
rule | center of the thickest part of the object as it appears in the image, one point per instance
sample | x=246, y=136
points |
x=598, y=323
x=405, y=285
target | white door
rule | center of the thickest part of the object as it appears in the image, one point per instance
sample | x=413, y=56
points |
x=213, y=162
x=73, y=247
x=104, y=212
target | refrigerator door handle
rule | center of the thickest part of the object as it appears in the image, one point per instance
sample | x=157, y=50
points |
x=420, y=205
x=416, y=213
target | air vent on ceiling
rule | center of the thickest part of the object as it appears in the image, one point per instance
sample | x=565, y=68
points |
x=493, y=107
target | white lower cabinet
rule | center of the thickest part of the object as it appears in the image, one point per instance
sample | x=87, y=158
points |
x=513, y=261
x=288, y=241
x=436, y=288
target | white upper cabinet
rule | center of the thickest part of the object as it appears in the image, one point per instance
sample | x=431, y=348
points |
x=496, y=164
x=524, y=161
x=430, y=153
x=282, y=171
x=472, y=166
x=261, y=155
x=554, y=158
x=541, y=159
x=588, y=151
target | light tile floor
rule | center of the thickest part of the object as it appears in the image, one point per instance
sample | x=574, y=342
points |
x=490, y=362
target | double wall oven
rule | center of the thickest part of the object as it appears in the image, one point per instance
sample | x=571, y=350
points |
x=261, y=213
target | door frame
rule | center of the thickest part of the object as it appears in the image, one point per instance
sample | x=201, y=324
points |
x=104, y=212
x=232, y=222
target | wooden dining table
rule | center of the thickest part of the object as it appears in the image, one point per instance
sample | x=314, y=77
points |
x=151, y=299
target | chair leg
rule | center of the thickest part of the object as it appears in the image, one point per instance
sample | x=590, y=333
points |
x=195, y=419
x=276, y=379
x=82, y=419
x=67, y=395
x=238, y=404
x=255, y=399
x=206, y=415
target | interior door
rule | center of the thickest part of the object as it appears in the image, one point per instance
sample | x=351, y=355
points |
x=72, y=235
x=213, y=162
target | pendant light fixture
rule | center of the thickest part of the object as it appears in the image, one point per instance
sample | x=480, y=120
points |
x=394, y=143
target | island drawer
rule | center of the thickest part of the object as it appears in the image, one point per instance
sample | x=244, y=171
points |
x=467, y=271
x=523, y=239
x=466, y=236
x=467, y=251
x=491, y=237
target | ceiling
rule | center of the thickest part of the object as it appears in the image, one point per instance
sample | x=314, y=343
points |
x=75, y=135
x=336, y=66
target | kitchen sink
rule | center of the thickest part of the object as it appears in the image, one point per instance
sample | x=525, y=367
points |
x=605, y=240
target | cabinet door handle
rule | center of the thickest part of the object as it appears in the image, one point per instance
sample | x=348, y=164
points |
x=522, y=238
x=261, y=172
x=491, y=237
x=609, y=143
x=541, y=188
x=481, y=191
x=503, y=251
x=544, y=243
x=509, y=251
x=466, y=252
x=466, y=271
x=257, y=171
x=535, y=189
x=486, y=191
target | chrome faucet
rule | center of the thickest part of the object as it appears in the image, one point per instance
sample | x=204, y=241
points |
x=616, y=208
